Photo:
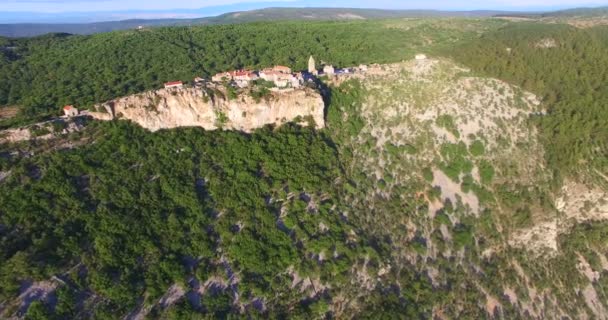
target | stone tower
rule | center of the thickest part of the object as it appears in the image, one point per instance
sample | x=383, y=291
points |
x=312, y=68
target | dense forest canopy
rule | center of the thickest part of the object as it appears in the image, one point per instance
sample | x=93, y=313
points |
x=568, y=68
x=134, y=212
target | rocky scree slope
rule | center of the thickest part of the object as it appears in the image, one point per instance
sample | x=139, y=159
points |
x=450, y=167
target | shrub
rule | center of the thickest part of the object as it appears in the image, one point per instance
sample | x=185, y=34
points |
x=467, y=183
x=220, y=119
x=446, y=121
x=260, y=93
x=477, y=149
x=522, y=217
x=59, y=126
x=486, y=172
x=463, y=236
x=427, y=173
x=38, y=131
x=231, y=92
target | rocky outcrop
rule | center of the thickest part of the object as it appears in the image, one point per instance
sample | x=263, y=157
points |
x=42, y=130
x=576, y=203
x=546, y=43
x=210, y=109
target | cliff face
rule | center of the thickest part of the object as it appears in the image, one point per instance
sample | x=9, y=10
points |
x=210, y=109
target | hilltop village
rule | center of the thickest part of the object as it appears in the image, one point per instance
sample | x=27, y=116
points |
x=277, y=79
x=239, y=99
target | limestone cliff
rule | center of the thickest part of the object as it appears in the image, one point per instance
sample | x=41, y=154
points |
x=210, y=109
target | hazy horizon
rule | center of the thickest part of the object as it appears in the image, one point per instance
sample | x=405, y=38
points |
x=82, y=11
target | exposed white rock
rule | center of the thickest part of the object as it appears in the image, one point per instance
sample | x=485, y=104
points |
x=191, y=107
x=37, y=291
x=172, y=295
x=582, y=203
x=452, y=191
x=577, y=203
x=27, y=133
x=594, y=303
x=15, y=135
x=585, y=269
x=546, y=43
x=539, y=238
x=4, y=175
x=511, y=295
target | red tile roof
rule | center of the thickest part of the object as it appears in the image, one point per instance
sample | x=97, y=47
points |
x=173, y=83
x=241, y=73
x=68, y=107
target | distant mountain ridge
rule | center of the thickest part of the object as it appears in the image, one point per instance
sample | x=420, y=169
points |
x=579, y=12
x=268, y=14
x=568, y=13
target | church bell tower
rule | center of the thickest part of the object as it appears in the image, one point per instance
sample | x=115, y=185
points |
x=312, y=68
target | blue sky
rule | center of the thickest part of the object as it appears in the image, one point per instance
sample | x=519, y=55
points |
x=96, y=10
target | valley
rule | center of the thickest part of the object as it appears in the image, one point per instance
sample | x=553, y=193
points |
x=455, y=168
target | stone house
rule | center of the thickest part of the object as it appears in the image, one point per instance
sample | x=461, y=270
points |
x=174, y=84
x=70, y=111
x=329, y=70
x=243, y=75
x=269, y=75
x=222, y=76
x=280, y=79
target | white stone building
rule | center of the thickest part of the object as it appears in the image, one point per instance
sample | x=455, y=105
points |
x=70, y=111
x=174, y=84
x=312, y=66
x=279, y=79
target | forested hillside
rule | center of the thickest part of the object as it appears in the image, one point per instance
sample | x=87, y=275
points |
x=468, y=185
x=569, y=68
x=579, y=12
x=193, y=205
